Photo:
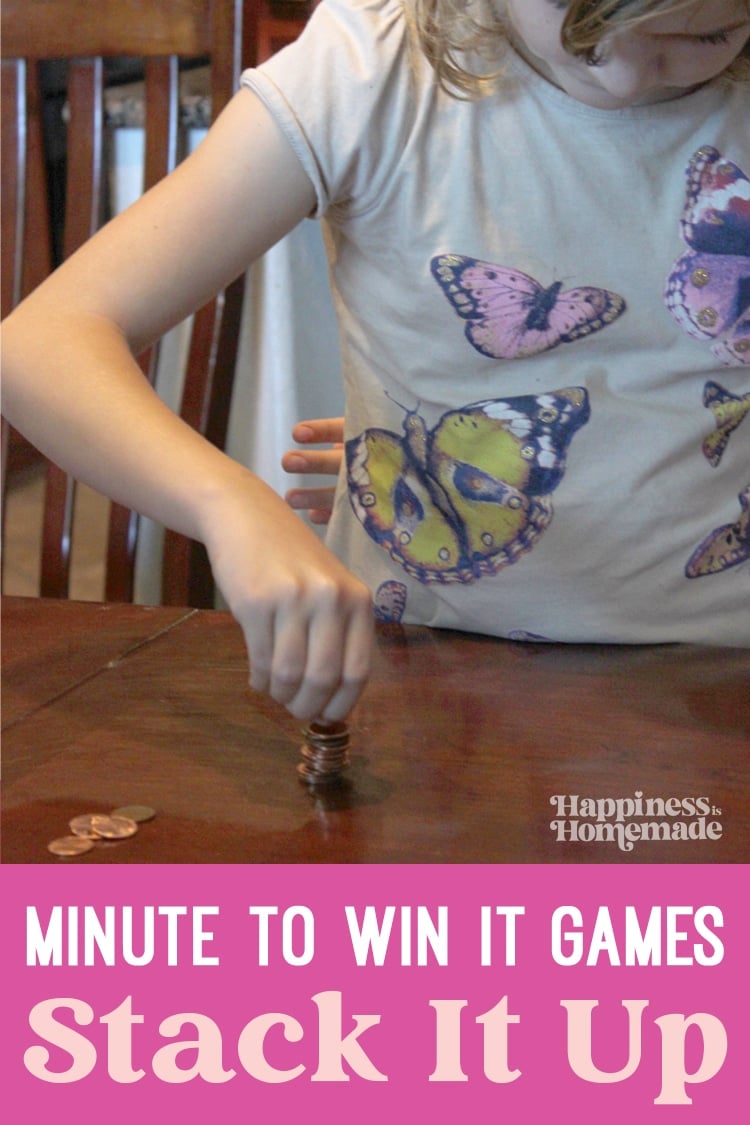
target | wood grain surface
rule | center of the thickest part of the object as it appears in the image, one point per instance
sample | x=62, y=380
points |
x=459, y=745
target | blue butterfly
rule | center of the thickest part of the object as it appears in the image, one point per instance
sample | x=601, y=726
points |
x=390, y=602
x=725, y=547
x=708, y=290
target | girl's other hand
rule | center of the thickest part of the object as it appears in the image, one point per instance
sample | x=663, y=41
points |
x=317, y=502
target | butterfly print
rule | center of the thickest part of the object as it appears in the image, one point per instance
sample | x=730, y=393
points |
x=511, y=316
x=470, y=496
x=708, y=290
x=729, y=411
x=725, y=547
x=735, y=350
x=389, y=602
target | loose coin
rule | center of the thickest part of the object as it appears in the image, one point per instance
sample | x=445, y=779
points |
x=70, y=845
x=84, y=825
x=138, y=813
x=114, y=827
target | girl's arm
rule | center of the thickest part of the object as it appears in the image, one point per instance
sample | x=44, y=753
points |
x=72, y=386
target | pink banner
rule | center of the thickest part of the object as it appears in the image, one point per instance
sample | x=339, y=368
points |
x=368, y=993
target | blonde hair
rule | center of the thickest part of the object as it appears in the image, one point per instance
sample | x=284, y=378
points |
x=463, y=40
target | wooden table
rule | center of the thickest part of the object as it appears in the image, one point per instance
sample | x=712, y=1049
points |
x=458, y=745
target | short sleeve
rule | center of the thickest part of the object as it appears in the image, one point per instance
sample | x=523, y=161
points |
x=343, y=75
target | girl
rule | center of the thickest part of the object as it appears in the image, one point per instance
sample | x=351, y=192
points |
x=537, y=218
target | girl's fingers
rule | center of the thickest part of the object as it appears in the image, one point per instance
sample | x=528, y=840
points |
x=310, y=498
x=356, y=663
x=289, y=669
x=325, y=461
x=259, y=640
x=320, y=666
x=320, y=430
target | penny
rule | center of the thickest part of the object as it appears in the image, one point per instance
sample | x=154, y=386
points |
x=138, y=813
x=84, y=825
x=325, y=733
x=114, y=827
x=70, y=845
x=325, y=753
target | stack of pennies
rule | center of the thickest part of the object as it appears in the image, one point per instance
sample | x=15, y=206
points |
x=325, y=753
x=89, y=828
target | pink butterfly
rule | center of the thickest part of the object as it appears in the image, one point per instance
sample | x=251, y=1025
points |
x=512, y=316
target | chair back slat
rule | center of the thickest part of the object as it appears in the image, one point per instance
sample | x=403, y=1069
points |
x=161, y=82
x=26, y=239
x=85, y=153
x=85, y=185
x=57, y=532
x=13, y=158
x=160, y=34
x=162, y=97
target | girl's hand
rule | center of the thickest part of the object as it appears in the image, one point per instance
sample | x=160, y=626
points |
x=307, y=621
x=317, y=502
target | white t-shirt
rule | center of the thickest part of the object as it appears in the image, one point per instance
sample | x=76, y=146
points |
x=545, y=333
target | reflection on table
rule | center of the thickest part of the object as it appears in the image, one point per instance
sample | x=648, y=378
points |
x=464, y=748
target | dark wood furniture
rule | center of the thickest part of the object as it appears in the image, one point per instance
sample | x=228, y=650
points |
x=270, y=24
x=458, y=745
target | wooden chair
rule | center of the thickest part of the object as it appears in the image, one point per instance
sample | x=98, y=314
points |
x=270, y=24
x=161, y=33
